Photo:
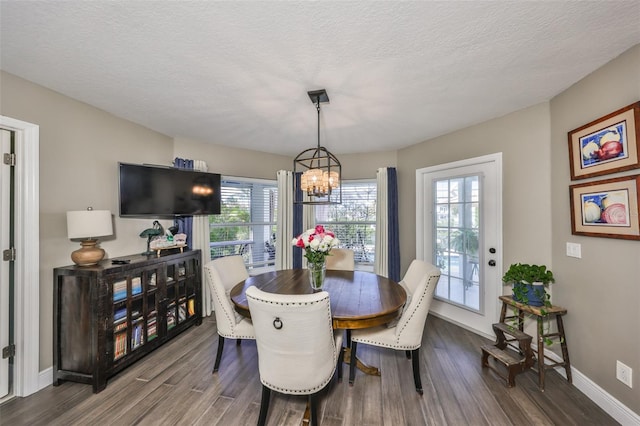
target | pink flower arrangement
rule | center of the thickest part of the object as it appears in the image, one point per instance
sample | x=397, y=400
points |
x=317, y=243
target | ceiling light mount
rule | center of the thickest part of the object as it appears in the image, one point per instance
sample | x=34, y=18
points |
x=317, y=171
x=318, y=96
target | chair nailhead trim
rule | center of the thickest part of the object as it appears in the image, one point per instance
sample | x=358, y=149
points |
x=220, y=300
x=419, y=303
x=299, y=391
x=236, y=336
x=397, y=345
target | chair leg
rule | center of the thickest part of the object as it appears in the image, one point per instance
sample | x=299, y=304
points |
x=313, y=408
x=340, y=361
x=264, y=405
x=216, y=365
x=415, y=360
x=352, y=363
x=408, y=354
x=348, y=337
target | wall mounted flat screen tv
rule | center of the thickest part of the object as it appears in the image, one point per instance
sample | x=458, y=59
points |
x=166, y=191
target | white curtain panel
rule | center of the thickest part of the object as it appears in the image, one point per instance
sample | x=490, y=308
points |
x=200, y=230
x=284, y=253
x=308, y=215
x=381, y=263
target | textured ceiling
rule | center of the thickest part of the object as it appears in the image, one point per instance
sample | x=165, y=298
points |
x=237, y=73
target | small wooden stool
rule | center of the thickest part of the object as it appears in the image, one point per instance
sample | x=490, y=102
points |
x=500, y=351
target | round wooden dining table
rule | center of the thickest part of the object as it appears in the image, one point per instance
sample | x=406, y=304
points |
x=358, y=299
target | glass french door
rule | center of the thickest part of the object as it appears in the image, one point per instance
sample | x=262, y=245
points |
x=458, y=223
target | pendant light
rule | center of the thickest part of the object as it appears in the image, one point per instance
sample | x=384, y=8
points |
x=321, y=170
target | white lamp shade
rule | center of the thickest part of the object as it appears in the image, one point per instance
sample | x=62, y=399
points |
x=89, y=223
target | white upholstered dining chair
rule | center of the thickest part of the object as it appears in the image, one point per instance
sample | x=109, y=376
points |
x=341, y=259
x=222, y=275
x=298, y=350
x=405, y=334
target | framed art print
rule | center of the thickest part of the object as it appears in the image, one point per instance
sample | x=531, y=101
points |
x=606, y=208
x=607, y=145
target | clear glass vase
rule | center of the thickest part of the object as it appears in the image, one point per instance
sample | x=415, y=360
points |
x=316, y=275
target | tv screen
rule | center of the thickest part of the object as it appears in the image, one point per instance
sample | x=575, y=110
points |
x=166, y=191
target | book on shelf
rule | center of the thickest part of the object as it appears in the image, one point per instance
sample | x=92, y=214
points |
x=120, y=345
x=137, y=336
x=191, y=307
x=120, y=325
x=171, y=316
x=120, y=315
x=119, y=290
x=152, y=326
x=136, y=285
x=182, y=312
x=153, y=280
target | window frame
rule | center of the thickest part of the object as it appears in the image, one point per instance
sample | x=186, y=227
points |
x=359, y=265
x=244, y=246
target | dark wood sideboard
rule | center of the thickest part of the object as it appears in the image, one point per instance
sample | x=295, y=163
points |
x=110, y=315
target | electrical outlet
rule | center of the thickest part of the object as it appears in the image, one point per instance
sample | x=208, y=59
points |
x=624, y=373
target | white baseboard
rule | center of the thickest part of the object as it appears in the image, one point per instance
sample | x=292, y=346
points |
x=45, y=378
x=620, y=412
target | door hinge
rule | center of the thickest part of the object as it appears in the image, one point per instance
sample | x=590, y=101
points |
x=9, y=159
x=9, y=254
x=8, y=351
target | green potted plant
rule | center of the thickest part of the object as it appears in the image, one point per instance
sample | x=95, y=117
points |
x=529, y=282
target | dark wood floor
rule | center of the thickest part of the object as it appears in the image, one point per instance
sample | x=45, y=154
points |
x=174, y=385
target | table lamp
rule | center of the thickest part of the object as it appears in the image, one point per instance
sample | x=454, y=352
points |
x=88, y=224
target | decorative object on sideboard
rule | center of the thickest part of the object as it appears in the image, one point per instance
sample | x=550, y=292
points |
x=88, y=225
x=155, y=230
x=321, y=170
x=166, y=242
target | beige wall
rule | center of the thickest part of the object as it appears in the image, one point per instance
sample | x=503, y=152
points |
x=247, y=163
x=602, y=289
x=233, y=161
x=365, y=166
x=523, y=139
x=80, y=147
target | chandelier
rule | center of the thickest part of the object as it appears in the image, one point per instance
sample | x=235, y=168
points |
x=321, y=170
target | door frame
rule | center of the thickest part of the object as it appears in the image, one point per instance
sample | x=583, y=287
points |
x=422, y=218
x=27, y=263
